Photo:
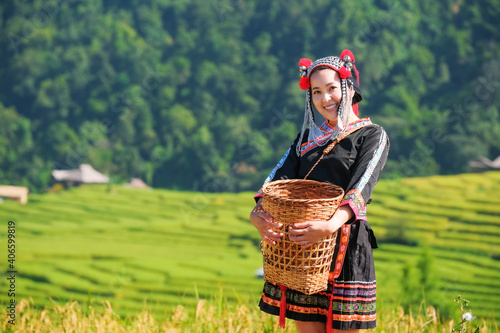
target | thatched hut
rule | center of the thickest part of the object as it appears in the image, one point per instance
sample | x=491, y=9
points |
x=85, y=174
x=485, y=164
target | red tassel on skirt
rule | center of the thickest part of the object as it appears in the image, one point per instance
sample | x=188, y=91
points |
x=283, y=306
x=329, y=320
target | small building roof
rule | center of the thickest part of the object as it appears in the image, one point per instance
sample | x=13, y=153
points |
x=136, y=183
x=84, y=174
x=483, y=163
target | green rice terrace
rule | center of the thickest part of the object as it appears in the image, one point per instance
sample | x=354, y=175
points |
x=438, y=237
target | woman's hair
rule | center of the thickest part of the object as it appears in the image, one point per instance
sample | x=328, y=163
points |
x=319, y=68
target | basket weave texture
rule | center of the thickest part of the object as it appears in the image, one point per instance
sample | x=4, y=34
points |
x=289, y=202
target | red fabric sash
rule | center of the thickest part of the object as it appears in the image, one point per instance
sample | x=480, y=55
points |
x=283, y=306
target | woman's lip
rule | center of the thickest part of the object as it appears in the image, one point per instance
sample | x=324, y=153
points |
x=330, y=107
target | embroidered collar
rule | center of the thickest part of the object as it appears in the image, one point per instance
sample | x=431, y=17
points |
x=362, y=121
x=327, y=129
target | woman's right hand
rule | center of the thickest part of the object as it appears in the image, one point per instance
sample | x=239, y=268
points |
x=265, y=225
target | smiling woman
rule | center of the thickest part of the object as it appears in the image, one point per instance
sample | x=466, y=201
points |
x=327, y=94
x=355, y=164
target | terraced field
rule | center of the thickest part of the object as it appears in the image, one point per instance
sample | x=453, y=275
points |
x=457, y=219
x=160, y=248
x=133, y=247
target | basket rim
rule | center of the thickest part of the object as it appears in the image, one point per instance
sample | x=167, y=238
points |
x=337, y=187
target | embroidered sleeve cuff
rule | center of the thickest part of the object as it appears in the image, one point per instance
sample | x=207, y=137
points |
x=354, y=199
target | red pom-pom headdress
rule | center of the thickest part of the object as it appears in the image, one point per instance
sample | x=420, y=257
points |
x=344, y=65
x=347, y=53
x=344, y=73
x=304, y=62
x=304, y=83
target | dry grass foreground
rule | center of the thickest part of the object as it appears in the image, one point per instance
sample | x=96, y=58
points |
x=73, y=317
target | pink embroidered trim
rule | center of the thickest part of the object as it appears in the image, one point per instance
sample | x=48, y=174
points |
x=354, y=199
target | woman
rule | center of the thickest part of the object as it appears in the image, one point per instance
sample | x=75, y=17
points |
x=355, y=164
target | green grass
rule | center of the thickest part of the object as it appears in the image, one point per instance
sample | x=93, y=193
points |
x=130, y=245
x=212, y=316
x=168, y=248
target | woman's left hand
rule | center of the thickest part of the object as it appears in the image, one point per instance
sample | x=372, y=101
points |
x=306, y=234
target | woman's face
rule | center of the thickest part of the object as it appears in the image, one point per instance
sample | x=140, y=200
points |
x=326, y=93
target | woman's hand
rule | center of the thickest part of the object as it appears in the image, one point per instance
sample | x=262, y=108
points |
x=265, y=225
x=308, y=233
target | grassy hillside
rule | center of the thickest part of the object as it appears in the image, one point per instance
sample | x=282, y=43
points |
x=455, y=221
x=132, y=246
x=165, y=248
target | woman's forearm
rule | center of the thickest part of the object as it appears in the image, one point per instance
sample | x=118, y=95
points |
x=341, y=216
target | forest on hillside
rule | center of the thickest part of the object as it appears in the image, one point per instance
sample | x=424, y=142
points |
x=203, y=94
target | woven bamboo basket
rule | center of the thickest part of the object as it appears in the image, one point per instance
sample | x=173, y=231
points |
x=289, y=202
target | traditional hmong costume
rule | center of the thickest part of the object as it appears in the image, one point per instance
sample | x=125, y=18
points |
x=355, y=164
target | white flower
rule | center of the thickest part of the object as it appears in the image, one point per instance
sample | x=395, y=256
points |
x=467, y=316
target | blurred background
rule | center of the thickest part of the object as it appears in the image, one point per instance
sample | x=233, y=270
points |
x=204, y=95
x=195, y=98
